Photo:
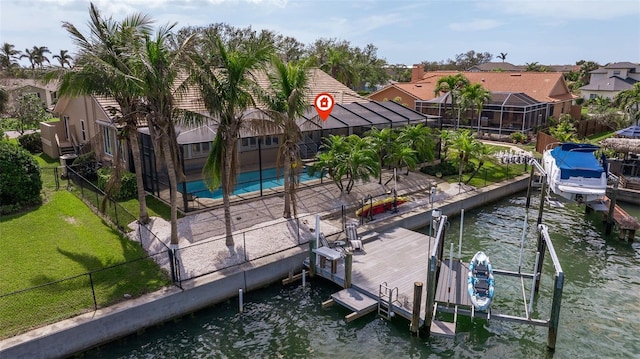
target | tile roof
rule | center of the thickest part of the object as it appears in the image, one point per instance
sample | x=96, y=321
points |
x=542, y=86
x=11, y=84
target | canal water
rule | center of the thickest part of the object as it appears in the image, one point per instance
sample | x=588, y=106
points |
x=599, y=318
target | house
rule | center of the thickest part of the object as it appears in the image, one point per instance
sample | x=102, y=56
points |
x=88, y=124
x=496, y=66
x=539, y=95
x=609, y=80
x=17, y=88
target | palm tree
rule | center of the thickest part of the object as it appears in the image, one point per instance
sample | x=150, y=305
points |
x=420, y=139
x=332, y=158
x=224, y=75
x=502, y=56
x=483, y=156
x=453, y=84
x=381, y=142
x=403, y=155
x=361, y=161
x=286, y=102
x=63, y=58
x=9, y=56
x=37, y=56
x=339, y=66
x=160, y=63
x=477, y=96
x=104, y=69
x=629, y=102
x=466, y=147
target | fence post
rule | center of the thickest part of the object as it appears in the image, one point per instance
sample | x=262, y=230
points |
x=172, y=264
x=244, y=245
x=93, y=291
x=115, y=211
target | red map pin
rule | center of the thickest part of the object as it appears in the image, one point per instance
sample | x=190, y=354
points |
x=324, y=105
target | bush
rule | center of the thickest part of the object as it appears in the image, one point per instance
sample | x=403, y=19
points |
x=20, y=182
x=441, y=169
x=128, y=187
x=31, y=142
x=518, y=137
x=86, y=165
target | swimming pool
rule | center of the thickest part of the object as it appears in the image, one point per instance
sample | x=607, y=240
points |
x=247, y=182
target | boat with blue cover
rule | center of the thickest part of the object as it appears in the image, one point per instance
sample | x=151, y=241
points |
x=480, y=282
x=574, y=173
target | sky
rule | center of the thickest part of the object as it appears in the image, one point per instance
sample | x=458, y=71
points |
x=549, y=32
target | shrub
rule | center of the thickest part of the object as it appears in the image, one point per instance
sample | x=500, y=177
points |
x=441, y=169
x=31, y=142
x=86, y=165
x=518, y=137
x=20, y=182
x=128, y=187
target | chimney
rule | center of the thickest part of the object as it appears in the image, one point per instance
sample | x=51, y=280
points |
x=417, y=72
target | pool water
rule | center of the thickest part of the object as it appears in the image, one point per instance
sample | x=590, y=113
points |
x=247, y=182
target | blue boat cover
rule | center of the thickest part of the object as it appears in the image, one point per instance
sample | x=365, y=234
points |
x=577, y=160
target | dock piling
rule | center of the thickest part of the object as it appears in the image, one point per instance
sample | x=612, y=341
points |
x=415, y=314
x=348, y=265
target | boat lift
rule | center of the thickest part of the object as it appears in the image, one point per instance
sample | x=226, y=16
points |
x=447, y=288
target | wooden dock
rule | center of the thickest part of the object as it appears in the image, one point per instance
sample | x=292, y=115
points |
x=396, y=258
x=626, y=223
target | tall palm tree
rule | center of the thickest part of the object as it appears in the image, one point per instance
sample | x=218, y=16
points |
x=37, y=56
x=224, y=76
x=286, y=102
x=477, y=96
x=161, y=62
x=483, y=156
x=63, y=58
x=105, y=68
x=9, y=56
x=452, y=84
x=502, y=56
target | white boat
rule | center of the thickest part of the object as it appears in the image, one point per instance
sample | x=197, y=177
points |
x=480, y=282
x=574, y=173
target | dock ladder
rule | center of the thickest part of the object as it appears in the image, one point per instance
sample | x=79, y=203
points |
x=385, y=299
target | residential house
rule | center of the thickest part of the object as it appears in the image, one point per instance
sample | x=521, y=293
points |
x=609, y=80
x=88, y=124
x=534, y=97
x=17, y=88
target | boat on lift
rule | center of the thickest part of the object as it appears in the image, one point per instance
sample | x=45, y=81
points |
x=480, y=283
x=574, y=173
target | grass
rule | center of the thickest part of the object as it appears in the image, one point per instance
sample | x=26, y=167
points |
x=491, y=172
x=60, y=239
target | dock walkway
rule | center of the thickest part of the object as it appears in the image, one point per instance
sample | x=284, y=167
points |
x=396, y=258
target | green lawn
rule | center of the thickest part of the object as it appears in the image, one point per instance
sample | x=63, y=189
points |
x=60, y=239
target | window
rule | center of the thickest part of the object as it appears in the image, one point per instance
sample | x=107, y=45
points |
x=195, y=150
x=65, y=121
x=592, y=96
x=108, y=136
x=616, y=72
x=83, y=131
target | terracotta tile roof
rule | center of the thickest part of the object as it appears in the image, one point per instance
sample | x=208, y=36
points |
x=11, y=84
x=542, y=86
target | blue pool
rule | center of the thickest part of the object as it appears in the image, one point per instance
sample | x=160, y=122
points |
x=246, y=182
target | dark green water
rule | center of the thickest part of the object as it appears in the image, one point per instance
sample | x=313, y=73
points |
x=600, y=315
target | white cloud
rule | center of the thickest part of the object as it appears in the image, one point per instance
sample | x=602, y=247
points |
x=473, y=25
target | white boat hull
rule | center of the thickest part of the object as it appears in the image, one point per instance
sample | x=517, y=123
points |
x=588, y=186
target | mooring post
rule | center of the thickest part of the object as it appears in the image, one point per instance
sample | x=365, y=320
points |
x=541, y=249
x=415, y=314
x=348, y=264
x=542, y=193
x=430, y=300
x=612, y=206
x=530, y=186
x=312, y=258
x=555, y=311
